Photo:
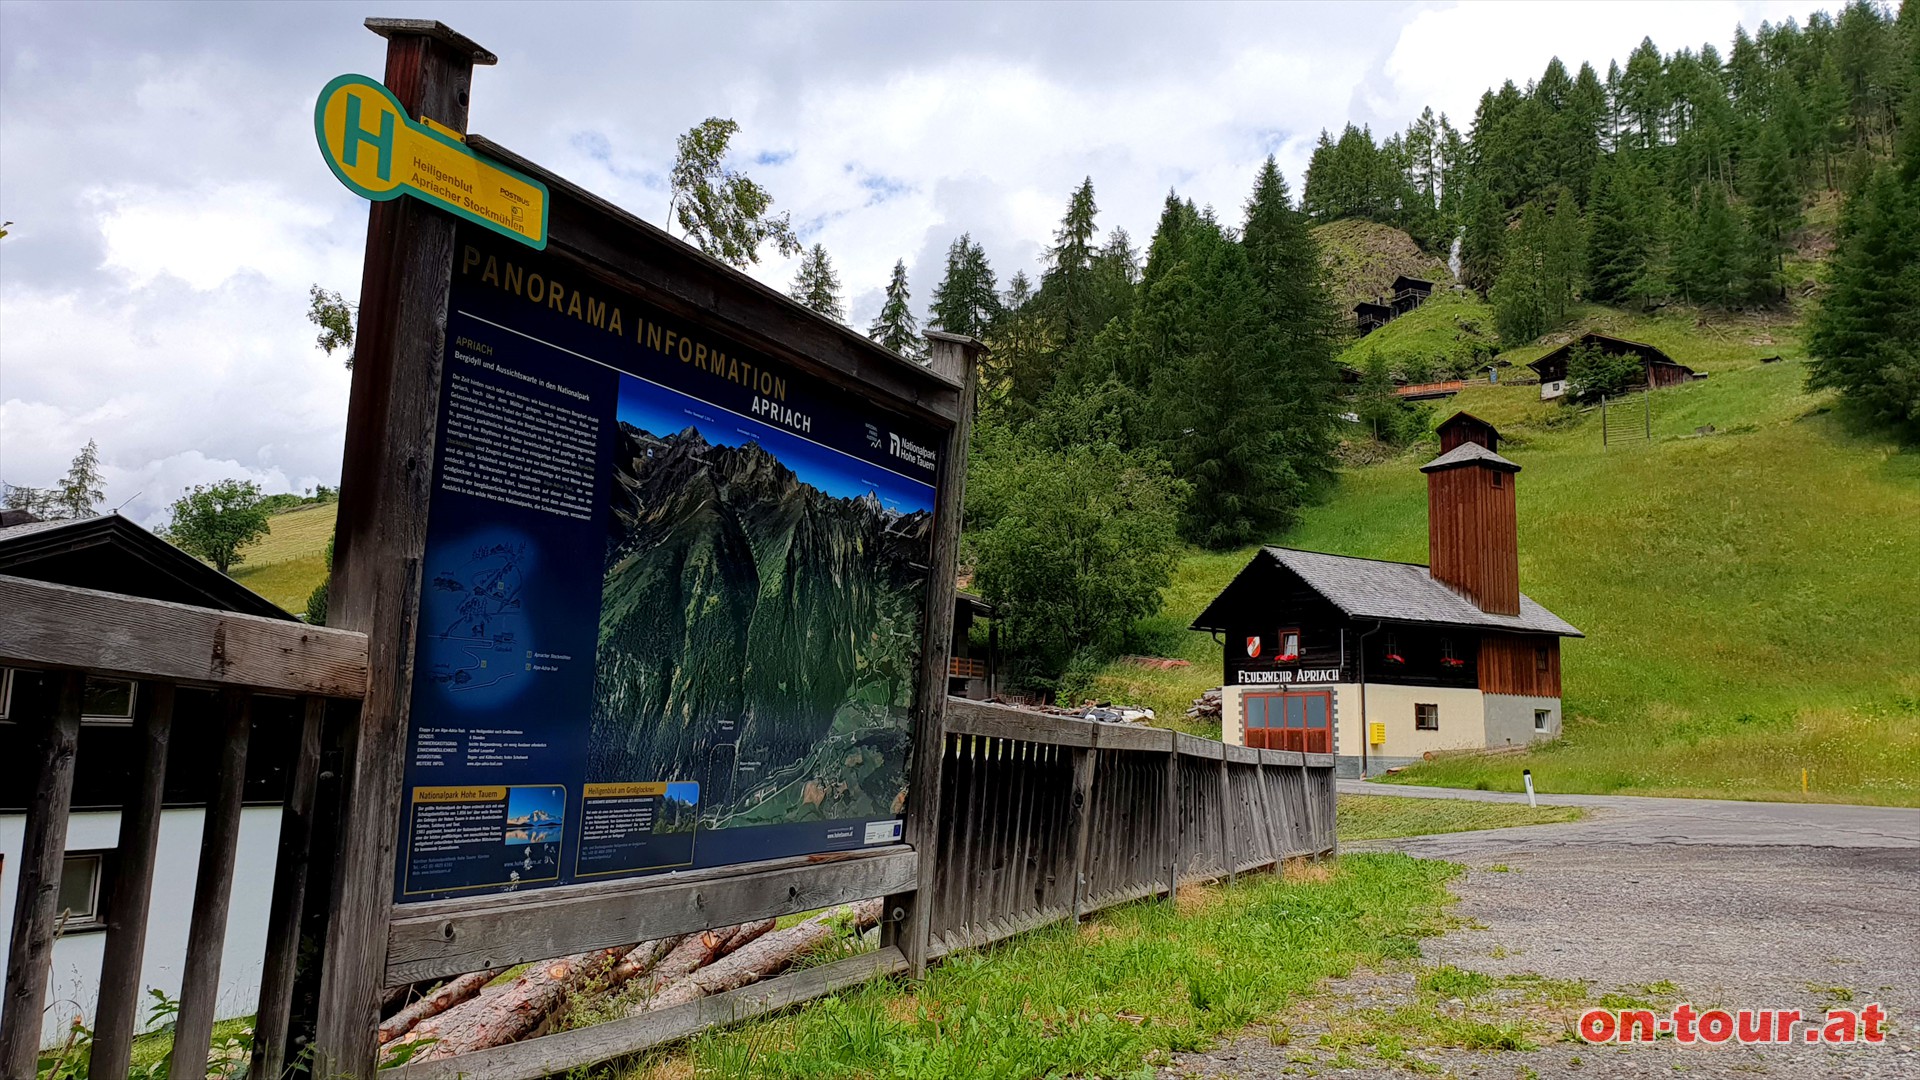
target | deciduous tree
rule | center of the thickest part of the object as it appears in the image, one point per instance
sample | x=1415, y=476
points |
x=214, y=521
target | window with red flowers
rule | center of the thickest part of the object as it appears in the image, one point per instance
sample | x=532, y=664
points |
x=1393, y=651
x=1289, y=646
x=1448, y=658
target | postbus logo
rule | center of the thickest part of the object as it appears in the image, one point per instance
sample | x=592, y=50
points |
x=1253, y=646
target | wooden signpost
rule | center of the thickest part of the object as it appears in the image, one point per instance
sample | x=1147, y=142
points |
x=444, y=429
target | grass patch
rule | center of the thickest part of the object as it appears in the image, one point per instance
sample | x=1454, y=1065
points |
x=1449, y=336
x=1746, y=595
x=1106, y=999
x=287, y=564
x=1379, y=817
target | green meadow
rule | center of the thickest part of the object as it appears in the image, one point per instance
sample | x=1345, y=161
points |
x=1749, y=595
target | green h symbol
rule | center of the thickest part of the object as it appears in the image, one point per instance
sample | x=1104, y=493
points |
x=357, y=134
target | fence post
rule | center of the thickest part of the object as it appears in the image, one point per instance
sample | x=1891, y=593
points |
x=1226, y=817
x=274, y=1015
x=1079, y=816
x=1603, y=421
x=213, y=888
x=43, y=851
x=386, y=477
x=116, y=1014
x=1172, y=816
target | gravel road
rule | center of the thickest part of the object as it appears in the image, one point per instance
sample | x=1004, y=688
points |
x=1767, y=905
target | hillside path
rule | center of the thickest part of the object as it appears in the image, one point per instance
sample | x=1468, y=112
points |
x=1768, y=905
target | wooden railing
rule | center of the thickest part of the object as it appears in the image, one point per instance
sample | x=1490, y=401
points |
x=967, y=667
x=53, y=637
x=1044, y=818
x=1037, y=819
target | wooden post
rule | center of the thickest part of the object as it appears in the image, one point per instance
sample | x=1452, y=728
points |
x=43, y=851
x=117, y=1013
x=274, y=1015
x=386, y=476
x=1080, y=813
x=1172, y=816
x=957, y=357
x=213, y=889
x=1226, y=818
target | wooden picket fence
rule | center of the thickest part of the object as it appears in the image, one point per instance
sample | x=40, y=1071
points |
x=1045, y=818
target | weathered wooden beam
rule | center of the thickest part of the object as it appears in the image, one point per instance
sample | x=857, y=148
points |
x=51, y=711
x=1006, y=722
x=1195, y=746
x=1240, y=755
x=626, y=251
x=131, y=637
x=958, y=359
x=1080, y=824
x=274, y=1015
x=213, y=888
x=386, y=480
x=576, y=918
x=558, y=1053
x=117, y=1013
x=1131, y=737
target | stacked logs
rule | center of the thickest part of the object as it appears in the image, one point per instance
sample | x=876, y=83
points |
x=479, y=1010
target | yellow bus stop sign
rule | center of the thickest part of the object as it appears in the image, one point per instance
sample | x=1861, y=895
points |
x=379, y=152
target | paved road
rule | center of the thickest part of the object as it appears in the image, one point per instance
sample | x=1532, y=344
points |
x=1767, y=905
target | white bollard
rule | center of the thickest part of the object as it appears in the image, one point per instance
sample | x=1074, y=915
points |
x=1527, y=775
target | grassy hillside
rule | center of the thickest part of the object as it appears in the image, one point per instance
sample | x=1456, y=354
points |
x=1748, y=595
x=289, y=562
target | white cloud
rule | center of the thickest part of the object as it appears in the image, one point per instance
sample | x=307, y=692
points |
x=173, y=209
x=1447, y=56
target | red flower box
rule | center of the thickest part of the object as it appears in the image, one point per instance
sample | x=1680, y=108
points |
x=1395, y=658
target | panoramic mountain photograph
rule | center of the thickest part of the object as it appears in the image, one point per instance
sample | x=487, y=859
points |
x=758, y=634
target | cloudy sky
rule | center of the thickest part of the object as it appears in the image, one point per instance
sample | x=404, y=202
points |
x=170, y=207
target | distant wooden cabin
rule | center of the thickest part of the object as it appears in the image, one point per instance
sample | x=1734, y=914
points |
x=1371, y=315
x=1409, y=293
x=971, y=669
x=1381, y=663
x=1657, y=368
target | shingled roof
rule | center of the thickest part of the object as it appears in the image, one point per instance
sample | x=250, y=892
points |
x=113, y=554
x=1466, y=453
x=1375, y=589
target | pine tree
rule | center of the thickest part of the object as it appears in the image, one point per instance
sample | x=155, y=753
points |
x=1865, y=335
x=1624, y=231
x=817, y=286
x=965, y=301
x=1706, y=255
x=1773, y=209
x=83, y=488
x=1301, y=321
x=1066, y=285
x=896, y=328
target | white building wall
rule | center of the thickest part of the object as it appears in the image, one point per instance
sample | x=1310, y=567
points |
x=75, y=987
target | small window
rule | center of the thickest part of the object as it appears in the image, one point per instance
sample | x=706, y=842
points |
x=6, y=693
x=1426, y=718
x=1393, y=651
x=1541, y=660
x=1499, y=479
x=1448, y=659
x=107, y=702
x=81, y=901
x=1289, y=645
x=1542, y=720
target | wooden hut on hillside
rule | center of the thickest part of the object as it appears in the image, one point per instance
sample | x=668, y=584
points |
x=1409, y=293
x=1658, y=369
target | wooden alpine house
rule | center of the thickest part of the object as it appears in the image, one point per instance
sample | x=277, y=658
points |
x=1381, y=663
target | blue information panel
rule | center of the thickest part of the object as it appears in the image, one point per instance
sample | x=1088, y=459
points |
x=672, y=598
